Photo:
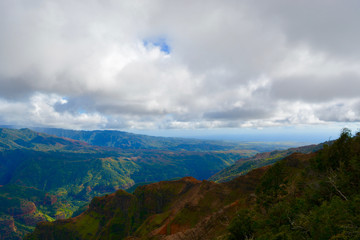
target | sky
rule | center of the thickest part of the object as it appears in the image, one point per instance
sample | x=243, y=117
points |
x=181, y=67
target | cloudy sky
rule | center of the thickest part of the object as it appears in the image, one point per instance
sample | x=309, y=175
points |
x=160, y=64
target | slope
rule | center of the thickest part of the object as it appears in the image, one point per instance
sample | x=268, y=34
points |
x=125, y=140
x=11, y=139
x=303, y=196
x=72, y=172
x=307, y=196
x=159, y=209
x=243, y=166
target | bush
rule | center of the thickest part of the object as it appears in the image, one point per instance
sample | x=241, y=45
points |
x=241, y=226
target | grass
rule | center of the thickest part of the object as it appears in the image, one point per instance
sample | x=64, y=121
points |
x=88, y=225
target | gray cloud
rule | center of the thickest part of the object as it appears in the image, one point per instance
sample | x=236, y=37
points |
x=231, y=63
x=340, y=112
x=239, y=114
x=16, y=87
x=328, y=26
x=317, y=89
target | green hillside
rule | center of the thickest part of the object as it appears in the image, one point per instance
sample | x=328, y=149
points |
x=11, y=139
x=154, y=210
x=314, y=196
x=243, y=166
x=72, y=172
x=303, y=196
x=125, y=140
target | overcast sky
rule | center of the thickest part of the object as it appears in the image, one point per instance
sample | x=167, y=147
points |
x=162, y=64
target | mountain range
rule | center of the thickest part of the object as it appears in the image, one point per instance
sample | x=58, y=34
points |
x=302, y=196
x=46, y=177
x=243, y=166
x=126, y=140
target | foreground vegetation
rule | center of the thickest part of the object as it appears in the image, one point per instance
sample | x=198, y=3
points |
x=307, y=199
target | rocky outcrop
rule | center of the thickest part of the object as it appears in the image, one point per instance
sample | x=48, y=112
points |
x=8, y=229
x=17, y=211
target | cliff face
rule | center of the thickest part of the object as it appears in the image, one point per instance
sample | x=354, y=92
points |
x=15, y=212
x=8, y=229
x=182, y=209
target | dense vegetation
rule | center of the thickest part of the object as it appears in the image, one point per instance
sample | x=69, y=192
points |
x=303, y=196
x=185, y=208
x=301, y=199
x=125, y=140
x=244, y=165
x=44, y=177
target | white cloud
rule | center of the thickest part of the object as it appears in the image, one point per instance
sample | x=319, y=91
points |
x=40, y=111
x=96, y=64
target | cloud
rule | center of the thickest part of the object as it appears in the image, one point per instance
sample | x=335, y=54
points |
x=40, y=111
x=340, y=112
x=325, y=26
x=165, y=64
x=238, y=114
x=317, y=89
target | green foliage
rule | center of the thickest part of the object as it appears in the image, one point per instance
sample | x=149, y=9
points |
x=125, y=140
x=296, y=200
x=241, y=228
x=59, y=175
x=243, y=166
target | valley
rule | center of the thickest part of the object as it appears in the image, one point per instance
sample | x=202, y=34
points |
x=55, y=176
x=303, y=196
x=179, y=120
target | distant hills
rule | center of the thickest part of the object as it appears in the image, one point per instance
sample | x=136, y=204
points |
x=303, y=196
x=11, y=139
x=125, y=140
x=243, y=166
x=46, y=177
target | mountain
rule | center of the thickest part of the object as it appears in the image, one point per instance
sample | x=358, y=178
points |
x=125, y=140
x=303, y=196
x=44, y=161
x=11, y=139
x=21, y=208
x=164, y=208
x=54, y=176
x=243, y=166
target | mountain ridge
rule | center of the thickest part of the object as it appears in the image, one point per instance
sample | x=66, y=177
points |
x=70, y=173
x=303, y=196
x=242, y=166
x=162, y=214
x=124, y=139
